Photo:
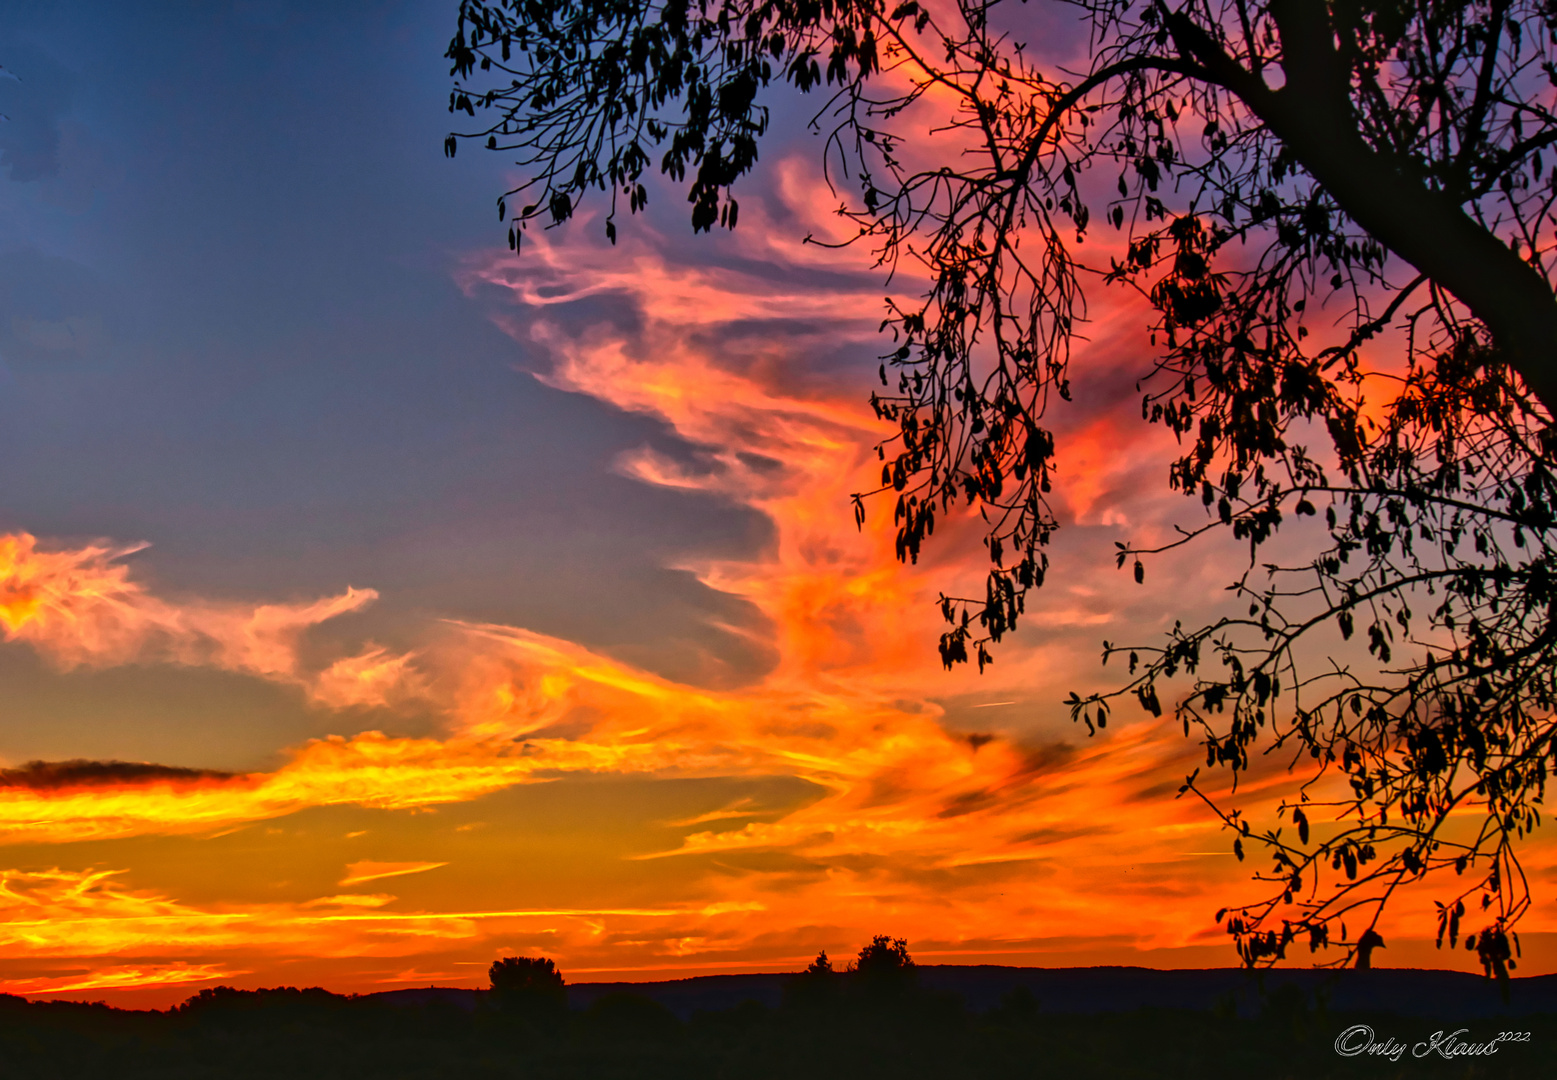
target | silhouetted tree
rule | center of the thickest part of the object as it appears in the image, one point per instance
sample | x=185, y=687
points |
x=815, y=987
x=1260, y=159
x=820, y=968
x=884, y=958
x=528, y=984
x=883, y=969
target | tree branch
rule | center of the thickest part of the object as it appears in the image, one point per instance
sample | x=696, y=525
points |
x=1312, y=117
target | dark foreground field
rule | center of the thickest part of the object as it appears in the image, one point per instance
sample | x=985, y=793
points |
x=939, y=1022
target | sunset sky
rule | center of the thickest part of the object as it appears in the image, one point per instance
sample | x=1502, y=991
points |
x=382, y=604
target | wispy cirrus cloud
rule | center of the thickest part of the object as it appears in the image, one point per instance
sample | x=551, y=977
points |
x=81, y=607
x=375, y=677
x=59, y=914
x=368, y=870
x=177, y=975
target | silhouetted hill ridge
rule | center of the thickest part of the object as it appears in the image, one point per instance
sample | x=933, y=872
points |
x=963, y=1023
x=1093, y=990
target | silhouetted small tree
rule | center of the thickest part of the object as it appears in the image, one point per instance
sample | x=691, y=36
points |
x=884, y=966
x=815, y=986
x=884, y=956
x=528, y=984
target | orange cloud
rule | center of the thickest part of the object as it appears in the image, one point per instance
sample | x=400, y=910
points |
x=944, y=837
x=374, y=677
x=57, y=913
x=907, y=803
x=80, y=608
x=991, y=844
x=369, y=769
x=915, y=822
x=123, y=977
x=367, y=870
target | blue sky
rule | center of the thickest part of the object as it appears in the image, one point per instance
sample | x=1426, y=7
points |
x=227, y=235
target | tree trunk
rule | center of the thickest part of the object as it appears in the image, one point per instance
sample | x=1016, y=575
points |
x=1312, y=116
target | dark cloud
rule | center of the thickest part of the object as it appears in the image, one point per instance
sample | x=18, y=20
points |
x=779, y=869
x=80, y=772
x=968, y=802
x=1054, y=835
x=1048, y=758
x=759, y=462
x=34, y=104
x=1154, y=792
x=917, y=875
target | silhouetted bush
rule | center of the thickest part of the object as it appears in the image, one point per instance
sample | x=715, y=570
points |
x=883, y=959
x=882, y=970
x=525, y=985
